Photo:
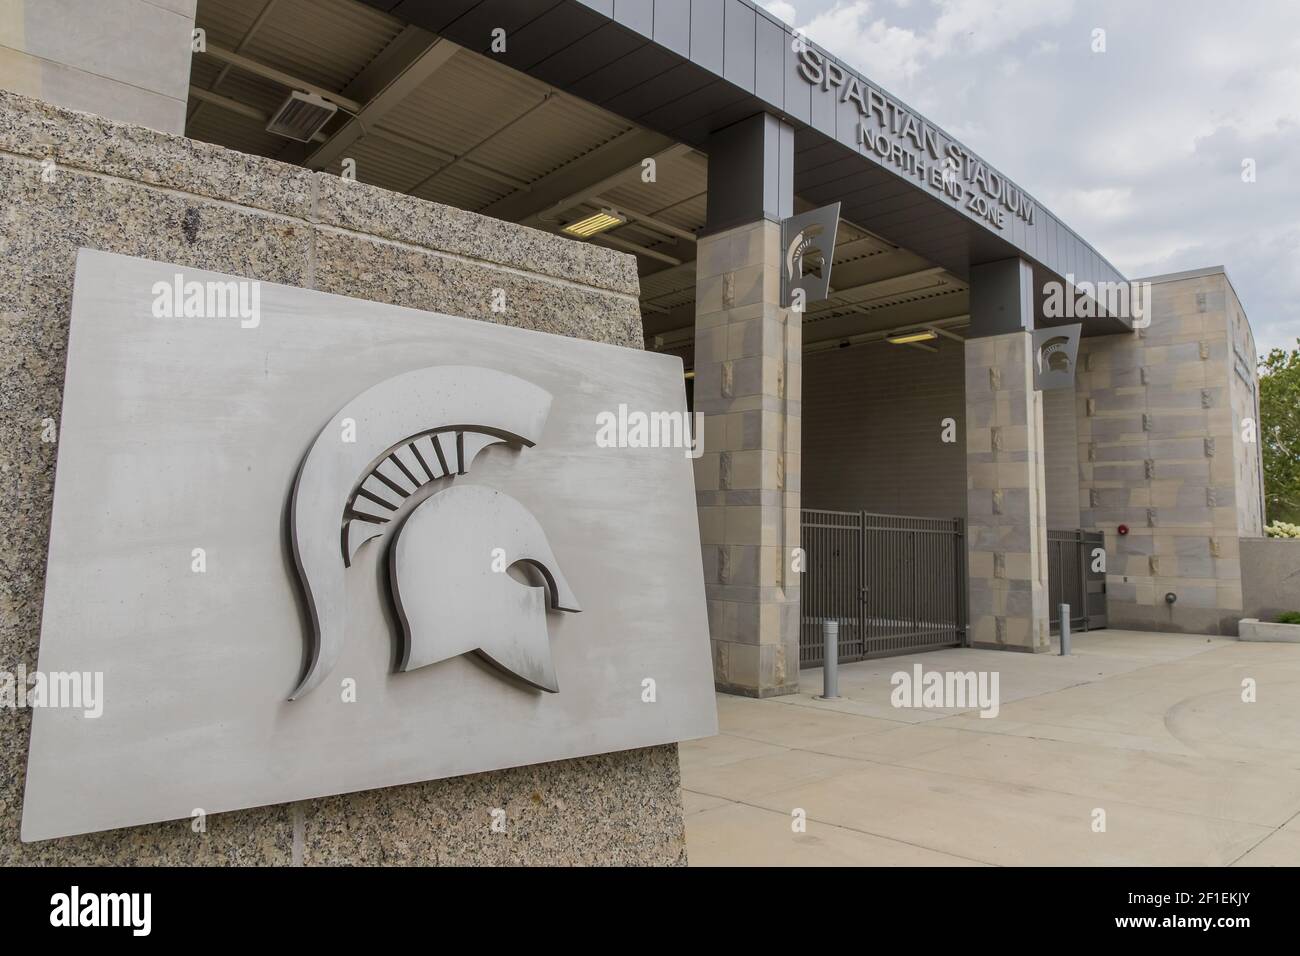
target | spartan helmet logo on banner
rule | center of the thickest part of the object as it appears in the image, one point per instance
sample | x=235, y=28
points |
x=809, y=243
x=1055, y=352
x=388, y=463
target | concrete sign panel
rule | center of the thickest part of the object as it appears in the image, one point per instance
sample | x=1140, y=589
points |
x=307, y=545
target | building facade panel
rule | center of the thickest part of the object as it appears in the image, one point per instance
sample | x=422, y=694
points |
x=1161, y=453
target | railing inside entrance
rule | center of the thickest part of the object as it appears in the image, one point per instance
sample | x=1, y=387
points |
x=1075, y=577
x=895, y=583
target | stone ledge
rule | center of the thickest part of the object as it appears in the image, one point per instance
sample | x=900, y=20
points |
x=31, y=127
x=84, y=141
x=387, y=215
x=1250, y=629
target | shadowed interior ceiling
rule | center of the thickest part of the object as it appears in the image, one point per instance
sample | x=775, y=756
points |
x=420, y=115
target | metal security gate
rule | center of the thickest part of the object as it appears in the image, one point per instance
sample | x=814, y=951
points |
x=895, y=583
x=1071, y=579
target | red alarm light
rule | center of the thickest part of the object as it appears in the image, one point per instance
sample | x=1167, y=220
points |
x=1122, y=529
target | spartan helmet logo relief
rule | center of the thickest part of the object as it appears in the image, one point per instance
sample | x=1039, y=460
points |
x=414, y=435
x=1054, y=356
x=1055, y=350
x=809, y=243
x=804, y=256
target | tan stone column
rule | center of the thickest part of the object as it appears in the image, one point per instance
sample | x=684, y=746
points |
x=747, y=385
x=1006, y=521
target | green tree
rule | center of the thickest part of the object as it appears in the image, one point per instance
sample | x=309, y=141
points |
x=1279, y=412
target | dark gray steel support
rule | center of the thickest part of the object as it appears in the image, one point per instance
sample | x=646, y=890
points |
x=751, y=173
x=1001, y=297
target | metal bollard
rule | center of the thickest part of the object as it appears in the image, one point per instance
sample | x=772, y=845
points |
x=830, y=660
x=1065, y=630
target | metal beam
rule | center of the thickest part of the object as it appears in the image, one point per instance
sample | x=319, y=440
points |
x=403, y=77
x=672, y=272
x=226, y=103
x=239, y=48
x=618, y=178
x=234, y=106
x=626, y=246
x=462, y=157
x=445, y=156
x=617, y=154
x=939, y=326
x=248, y=65
x=681, y=336
x=658, y=225
x=876, y=284
x=940, y=330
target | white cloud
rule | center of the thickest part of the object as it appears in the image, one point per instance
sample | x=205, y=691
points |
x=780, y=8
x=894, y=55
x=980, y=26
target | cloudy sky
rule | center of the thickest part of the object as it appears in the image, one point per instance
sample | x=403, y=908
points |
x=1139, y=148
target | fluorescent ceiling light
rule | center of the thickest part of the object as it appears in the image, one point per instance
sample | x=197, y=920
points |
x=597, y=222
x=908, y=336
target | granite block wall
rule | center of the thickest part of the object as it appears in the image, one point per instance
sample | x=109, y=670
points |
x=69, y=180
x=1161, y=451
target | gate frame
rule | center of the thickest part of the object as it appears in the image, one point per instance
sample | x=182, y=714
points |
x=856, y=626
x=1083, y=585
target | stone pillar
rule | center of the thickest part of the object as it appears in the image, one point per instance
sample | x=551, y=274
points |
x=748, y=352
x=1006, y=498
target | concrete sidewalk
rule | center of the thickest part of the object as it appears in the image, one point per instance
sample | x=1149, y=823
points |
x=1149, y=728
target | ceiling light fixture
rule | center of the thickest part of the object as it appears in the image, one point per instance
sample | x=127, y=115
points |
x=597, y=222
x=908, y=336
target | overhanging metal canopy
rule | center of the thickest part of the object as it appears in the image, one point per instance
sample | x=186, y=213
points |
x=686, y=68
